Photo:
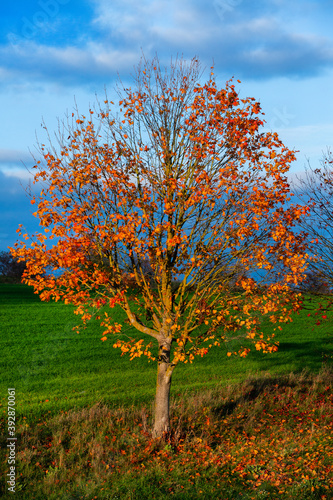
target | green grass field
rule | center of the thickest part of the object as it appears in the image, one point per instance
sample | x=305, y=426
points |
x=55, y=370
x=45, y=360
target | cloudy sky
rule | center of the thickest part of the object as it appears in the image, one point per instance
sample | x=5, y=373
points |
x=52, y=51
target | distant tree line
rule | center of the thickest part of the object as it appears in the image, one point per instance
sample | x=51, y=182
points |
x=10, y=269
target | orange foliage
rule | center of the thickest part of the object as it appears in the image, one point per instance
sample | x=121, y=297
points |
x=164, y=213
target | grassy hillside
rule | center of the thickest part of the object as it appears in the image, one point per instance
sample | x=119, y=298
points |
x=54, y=368
x=242, y=428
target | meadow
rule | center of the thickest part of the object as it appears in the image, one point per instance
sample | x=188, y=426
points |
x=259, y=427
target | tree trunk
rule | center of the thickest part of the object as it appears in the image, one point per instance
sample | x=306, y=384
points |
x=164, y=372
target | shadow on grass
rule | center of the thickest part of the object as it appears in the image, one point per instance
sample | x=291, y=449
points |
x=295, y=356
x=13, y=293
x=254, y=387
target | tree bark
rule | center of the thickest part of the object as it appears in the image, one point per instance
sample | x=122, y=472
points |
x=164, y=373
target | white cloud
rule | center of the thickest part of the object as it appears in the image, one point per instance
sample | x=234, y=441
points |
x=13, y=156
x=18, y=172
x=255, y=42
x=92, y=62
x=122, y=16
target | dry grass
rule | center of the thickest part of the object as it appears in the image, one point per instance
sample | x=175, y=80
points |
x=269, y=437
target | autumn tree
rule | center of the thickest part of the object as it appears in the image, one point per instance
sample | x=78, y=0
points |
x=184, y=179
x=315, y=189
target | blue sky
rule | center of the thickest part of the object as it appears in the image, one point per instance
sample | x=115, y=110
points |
x=52, y=51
